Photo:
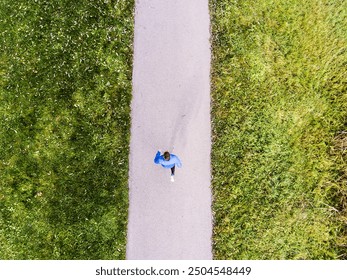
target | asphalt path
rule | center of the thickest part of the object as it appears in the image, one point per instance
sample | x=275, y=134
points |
x=170, y=111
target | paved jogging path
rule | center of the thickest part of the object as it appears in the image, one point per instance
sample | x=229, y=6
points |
x=170, y=110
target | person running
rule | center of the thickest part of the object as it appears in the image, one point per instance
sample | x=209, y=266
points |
x=168, y=160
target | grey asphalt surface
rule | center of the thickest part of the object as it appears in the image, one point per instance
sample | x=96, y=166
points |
x=170, y=111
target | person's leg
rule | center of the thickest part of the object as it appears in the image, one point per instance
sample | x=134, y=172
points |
x=172, y=174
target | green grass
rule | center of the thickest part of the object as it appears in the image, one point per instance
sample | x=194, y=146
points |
x=279, y=113
x=64, y=130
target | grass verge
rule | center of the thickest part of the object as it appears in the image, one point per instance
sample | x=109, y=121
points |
x=279, y=117
x=64, y=131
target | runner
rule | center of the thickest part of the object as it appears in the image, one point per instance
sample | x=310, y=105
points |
x=168, y=160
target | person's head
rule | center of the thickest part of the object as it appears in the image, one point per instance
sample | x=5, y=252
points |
x=167, y=155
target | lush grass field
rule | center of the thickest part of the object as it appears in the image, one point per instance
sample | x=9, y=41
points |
x=279, y=129
x=64, y=130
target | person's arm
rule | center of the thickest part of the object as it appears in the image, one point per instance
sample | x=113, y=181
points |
x=157, y=158
x=178, y=162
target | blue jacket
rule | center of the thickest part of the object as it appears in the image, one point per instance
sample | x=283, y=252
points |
x=174, y=160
